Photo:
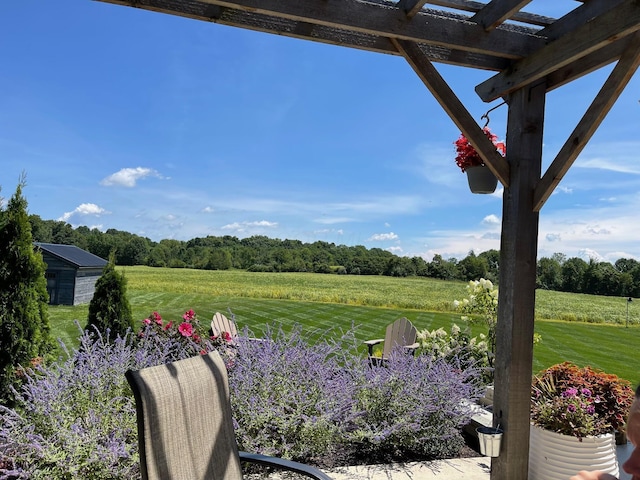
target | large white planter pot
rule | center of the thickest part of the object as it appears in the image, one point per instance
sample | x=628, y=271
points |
x=553, y=456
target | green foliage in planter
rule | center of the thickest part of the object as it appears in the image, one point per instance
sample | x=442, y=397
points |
x=580, y=401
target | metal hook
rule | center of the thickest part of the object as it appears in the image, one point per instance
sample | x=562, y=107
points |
x=486, y=115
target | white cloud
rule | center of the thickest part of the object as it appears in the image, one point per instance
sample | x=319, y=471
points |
x=332, y=220
x=597, y=230
x=383, y=236
x=395, y=250
x=553, y=237
x=127, y=177
x=208, y=209
x=608, y=164
x=242, y=227
x=491, y=220
x=84, y=209
x=589, y=254
x=328, y=230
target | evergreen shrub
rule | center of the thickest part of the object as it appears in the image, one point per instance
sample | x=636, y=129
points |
x=109, y=309
x=24, y=320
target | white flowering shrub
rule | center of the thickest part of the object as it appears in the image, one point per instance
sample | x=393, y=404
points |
x=457, y=347
x=482, y=306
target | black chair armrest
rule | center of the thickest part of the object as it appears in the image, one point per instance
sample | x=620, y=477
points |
x=284, y=464
x=371, y=343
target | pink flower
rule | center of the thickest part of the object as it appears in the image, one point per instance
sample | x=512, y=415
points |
x=157, y=318
x=226, y=336
x=185, y=329
x=189, y=315
x=168, y=326
x=147, y=321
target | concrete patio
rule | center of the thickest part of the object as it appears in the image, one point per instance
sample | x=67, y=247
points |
x=475, y=468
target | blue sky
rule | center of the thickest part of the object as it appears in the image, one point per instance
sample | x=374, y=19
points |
x=173, y=128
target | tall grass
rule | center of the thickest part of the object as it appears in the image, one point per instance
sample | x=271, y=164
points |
x=584, y=329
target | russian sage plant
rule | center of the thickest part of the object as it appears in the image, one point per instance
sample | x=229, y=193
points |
x=292, y=399
x=413, y=407
x=319, y=403
x=76, y=418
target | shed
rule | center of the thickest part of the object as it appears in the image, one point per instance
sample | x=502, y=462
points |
x=71, y=273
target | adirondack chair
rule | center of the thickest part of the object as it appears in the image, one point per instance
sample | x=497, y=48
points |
x=185, y=427
x=221, y=324
x=400, y=333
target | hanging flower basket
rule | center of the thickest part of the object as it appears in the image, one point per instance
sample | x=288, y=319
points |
x=480, y=178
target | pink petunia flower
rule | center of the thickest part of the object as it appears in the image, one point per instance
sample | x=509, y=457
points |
x=147, y=321
x=189, y=315
x=226, y=336
x=185, y=329
x=157, y=318
x=168, y=326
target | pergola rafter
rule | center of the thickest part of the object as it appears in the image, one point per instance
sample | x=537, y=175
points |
x=531, y=55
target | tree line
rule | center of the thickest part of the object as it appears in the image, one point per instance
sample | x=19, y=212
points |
x=261, y=253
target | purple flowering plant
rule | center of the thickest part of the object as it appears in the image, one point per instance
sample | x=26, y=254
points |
x=580, y=402
x=320, y=403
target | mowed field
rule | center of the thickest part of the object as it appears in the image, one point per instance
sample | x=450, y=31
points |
x=585, y=329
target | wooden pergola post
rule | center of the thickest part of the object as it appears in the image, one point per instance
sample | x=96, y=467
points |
x=516, y=302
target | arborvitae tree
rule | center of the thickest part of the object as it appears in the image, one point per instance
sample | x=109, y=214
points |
x=109, y=307
x=24, y=320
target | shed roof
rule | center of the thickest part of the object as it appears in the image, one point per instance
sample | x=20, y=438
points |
x=72, y=254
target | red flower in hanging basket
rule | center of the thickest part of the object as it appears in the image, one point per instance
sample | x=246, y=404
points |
x=467, y=156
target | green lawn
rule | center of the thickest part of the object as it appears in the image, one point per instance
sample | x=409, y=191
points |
x=326, y=304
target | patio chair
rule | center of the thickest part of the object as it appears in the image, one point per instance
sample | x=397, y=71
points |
x=185, y=428
x=221, y=324
x=400, y=333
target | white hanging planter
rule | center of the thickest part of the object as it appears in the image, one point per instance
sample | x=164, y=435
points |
x=554, y=456
x=489, y=439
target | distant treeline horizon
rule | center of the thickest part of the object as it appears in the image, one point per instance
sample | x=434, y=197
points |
x=260, y=253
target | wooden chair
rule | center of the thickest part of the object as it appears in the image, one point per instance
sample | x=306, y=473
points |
x=221, y=324
x=400, y=333
x=185, y=428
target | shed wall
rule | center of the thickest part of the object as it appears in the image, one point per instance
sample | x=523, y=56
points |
x=86, y=285
x=68, y=285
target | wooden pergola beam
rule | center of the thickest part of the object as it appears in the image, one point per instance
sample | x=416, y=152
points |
x=455, y=109
x=578, y=17
x=587, y=64
x=595, y=114
x=496, y=12
x=591, y=36
x=473, y=6
x=424, y=27
x=411, y=7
